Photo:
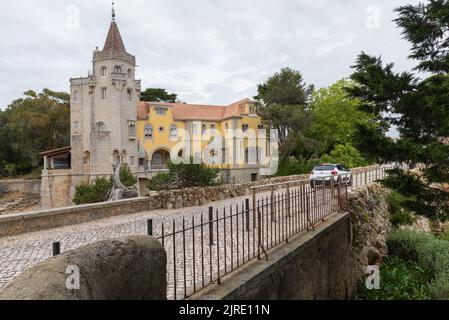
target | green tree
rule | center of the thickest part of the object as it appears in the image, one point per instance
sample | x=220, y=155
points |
x=347, y=155
x=282, y=104
x=158, y=95
x=32, y=124
x=87, y=193
x=335, y=116
x=418, y=107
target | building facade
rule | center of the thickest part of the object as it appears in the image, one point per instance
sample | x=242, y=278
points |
x=109, y=125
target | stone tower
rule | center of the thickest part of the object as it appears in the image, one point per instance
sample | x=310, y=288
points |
x=103, y=111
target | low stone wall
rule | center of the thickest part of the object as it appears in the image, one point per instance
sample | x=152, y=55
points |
x=192, y=197
x=14, y=224
x=29, y=187
x=327, y=263
x=131, y=268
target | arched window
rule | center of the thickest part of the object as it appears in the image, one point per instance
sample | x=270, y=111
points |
x=173, y=133
x=245, y=127
x=148, y=132
x=260, y=127
x=203, y=129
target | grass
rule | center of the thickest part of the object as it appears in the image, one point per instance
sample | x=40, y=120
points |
x=400, y=280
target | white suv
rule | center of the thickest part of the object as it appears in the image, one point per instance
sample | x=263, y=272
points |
x=328, y=171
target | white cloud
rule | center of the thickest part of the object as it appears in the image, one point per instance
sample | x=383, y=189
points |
x=207, y=51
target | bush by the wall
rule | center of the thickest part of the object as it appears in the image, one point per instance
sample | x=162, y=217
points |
x=126, y=177
x=87, y=193
x=400, y=280
x=182, y=176
x=428, y=252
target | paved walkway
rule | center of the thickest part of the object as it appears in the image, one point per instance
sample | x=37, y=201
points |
x=20, y=252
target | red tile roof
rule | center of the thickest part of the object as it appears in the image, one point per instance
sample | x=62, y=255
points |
x=184, y=112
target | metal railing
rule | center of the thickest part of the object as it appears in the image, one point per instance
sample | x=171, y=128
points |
x=202, y=247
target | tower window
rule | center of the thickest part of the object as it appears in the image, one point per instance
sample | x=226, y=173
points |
x=117, y=69
x=76, y=96
x=132, y=130
x=130, y=95
x=130, y=73
x=104, y=71
x=104, y=93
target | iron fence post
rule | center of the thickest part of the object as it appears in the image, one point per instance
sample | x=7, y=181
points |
x=247, y=214
x=211, y=226
x=150, y=227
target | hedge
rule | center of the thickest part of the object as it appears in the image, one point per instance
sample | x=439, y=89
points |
x=428, y=252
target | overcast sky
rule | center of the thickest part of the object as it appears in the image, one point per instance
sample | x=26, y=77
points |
x=213, y=52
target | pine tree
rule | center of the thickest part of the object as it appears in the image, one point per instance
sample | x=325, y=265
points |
x=418, y=107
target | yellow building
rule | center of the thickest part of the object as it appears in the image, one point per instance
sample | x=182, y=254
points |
x=226, y=137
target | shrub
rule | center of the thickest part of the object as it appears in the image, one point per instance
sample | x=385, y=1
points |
x=445, y=236
x=428, y=252
x=399, y=215
x=184, y=176
x=400, y=280
x=293, y=167
x=160, y=182
x=126, y=177
x=87, y=193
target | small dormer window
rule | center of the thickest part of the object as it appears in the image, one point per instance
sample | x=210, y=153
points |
x=252, y=109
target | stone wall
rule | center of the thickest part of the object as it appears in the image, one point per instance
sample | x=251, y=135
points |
x=327, y=263
x=191, y=197
x=31, y=187
x=132, y=268
x=370, y=220
x=14, y=224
